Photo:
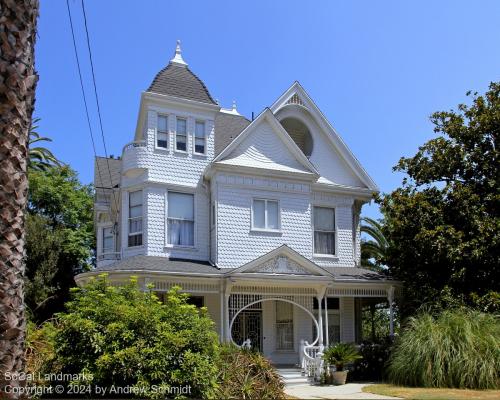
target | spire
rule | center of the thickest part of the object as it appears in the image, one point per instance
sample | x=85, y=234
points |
x=178, y=56
x=231, y=110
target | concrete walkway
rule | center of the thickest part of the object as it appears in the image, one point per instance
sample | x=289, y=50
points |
x=347, y=391
x=298, y=386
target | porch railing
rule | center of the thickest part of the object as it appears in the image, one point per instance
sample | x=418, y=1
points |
x=311, y=360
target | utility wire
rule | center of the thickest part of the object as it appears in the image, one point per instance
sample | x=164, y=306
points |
x=83, y=90
x=115, y=201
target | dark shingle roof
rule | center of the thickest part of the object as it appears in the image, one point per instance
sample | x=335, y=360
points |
x=356, y=273
x=158, y=264
x=179, y=81
x=102, y=178
x=227, y=128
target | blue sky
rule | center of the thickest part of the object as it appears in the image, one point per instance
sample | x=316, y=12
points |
x=377, y=69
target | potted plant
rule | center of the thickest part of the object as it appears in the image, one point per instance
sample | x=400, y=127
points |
x=338, y=355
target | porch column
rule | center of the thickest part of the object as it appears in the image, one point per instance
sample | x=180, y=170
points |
x=227, y=293
x=390, y=299
x=320, y=323
x=327, y=338
x=222, y=314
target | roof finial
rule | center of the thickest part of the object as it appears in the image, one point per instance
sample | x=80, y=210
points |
x=234, y=106
x=178, y=56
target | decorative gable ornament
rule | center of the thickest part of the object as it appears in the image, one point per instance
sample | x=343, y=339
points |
x=295, y=99
x=281, y=265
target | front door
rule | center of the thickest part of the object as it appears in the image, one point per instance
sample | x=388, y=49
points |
x=248, y=325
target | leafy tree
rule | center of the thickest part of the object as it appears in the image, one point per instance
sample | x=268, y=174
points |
x=123, y=336
x=59, y=240
x=443, y=223
x=372, y=250
x=40, y=158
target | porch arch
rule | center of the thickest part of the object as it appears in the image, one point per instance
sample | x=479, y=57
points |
x=275, y=299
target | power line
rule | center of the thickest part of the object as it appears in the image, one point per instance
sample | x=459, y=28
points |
x=87, y=109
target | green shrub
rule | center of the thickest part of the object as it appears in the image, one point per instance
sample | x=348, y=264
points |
x=458, y=348
x=340, y=354
x=245, y=374
x=373, y=364
x=123, y=336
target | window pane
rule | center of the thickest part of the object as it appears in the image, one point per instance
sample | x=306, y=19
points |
x=180, y=233
x=324, y=219
x=135, y=240
x=162, y=139
x=200, y=130
x=180, y=142
x=135, y=211
x=135, y=225
x=324, y=242
x=107, y=240
x=284, y=311
x=284, y=326
x=135, y=198
x=181, y=205
x=199, y=146
x=272, y=215
x=162, y=123
x=181, y=126
x=259, y=214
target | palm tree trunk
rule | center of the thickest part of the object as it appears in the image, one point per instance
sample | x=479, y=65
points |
x=17, y=97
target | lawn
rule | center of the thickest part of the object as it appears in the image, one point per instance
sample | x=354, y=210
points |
x=432, y=394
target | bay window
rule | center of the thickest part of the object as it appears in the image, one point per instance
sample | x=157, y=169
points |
x=324, y=230
x=181, y=135
x=180, y=225
x=135, y=218
x=199, y=138
x=162, y=132
x=265, y=214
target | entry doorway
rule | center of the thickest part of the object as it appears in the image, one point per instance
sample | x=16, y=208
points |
x=248, y=325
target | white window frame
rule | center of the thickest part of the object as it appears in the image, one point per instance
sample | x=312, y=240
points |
x=265, y=229
x=167, y=132
x=276, y=324
x=186, y=135
x=131, y=218
x=335, y=242
x=204, y=137
x=178, y=246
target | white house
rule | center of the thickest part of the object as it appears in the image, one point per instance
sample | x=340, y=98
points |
x=257, y=220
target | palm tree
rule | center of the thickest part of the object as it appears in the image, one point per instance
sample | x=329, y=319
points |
x=40, y=158
x=374, y=248
x=17, y=98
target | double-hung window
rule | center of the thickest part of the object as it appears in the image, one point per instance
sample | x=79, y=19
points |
x=284, y=326
x=200, y=138
x=162, y=132
x=181, y=135
x=324, y=230
x=180, y=226
x=108, y=242
x=265, y=214
x=135, y=218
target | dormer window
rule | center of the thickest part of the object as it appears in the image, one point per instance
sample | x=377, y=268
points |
x=162, y=132
x=200, y=138
x=181, y=135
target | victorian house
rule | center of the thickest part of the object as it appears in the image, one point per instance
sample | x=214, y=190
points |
x=258, y=220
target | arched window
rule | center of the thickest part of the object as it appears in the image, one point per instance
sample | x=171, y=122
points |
x=300, y=134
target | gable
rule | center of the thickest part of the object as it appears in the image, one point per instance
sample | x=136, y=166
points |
x=281, y=265
x=264, y=144
x=330, y=155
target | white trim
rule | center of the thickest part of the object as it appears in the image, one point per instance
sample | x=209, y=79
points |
x=265, y=229
x=268, y=116
x=334, y=138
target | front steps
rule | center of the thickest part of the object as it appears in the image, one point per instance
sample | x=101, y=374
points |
x=292, y=376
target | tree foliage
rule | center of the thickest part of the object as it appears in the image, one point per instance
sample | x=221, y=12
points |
x=124, y=336
x=40, y=158
x=373, y=250
x=59, y=238
x=443, y=223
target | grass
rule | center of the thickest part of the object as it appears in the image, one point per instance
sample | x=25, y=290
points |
x=432, y=393
x=456, y=349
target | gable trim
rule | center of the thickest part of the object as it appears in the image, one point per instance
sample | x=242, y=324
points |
x=283, y=250
x=334, y=138
x=268, y=116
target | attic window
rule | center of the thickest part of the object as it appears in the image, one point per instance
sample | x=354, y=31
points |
x=300, y=134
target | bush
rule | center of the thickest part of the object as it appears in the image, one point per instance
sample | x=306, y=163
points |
x=458, y=348
x=245, y=374
x=123, y=336
x=373, y=364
